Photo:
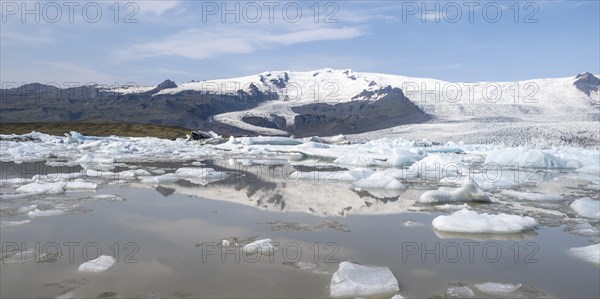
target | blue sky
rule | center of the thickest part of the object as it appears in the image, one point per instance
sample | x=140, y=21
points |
x=188, y=40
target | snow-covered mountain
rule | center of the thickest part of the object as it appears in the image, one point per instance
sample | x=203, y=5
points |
x=328, y=102
x=542, y=100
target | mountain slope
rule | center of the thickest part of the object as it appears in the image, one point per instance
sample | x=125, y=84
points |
x=321, y=102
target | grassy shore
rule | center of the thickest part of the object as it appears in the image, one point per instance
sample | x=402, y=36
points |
x=96, y=129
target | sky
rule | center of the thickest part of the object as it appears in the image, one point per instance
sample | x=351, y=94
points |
x=146, y=42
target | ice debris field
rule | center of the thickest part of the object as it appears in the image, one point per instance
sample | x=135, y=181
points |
x=472, y=189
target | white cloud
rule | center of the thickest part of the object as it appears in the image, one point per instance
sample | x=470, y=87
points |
x=156, y=7
x=203, y=43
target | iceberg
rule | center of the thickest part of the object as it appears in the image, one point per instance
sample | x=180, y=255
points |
x=46, y=213
x=460, y=292
x=379, y=180
x=270, y=141
x=589, y=253
x=263, y=247
x=42, y=188
x=355, y=160
x=520, y=157
x=469, y=191
x=101, y=264
x=532, y=196
x=403, y=158
x=495, y=288
x=351, y=280
x=587, y=207
x=465, y=221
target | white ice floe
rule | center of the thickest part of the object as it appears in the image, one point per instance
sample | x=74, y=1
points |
x=201, y=176
x=101, y=264
x=379, y=180
x=46, y=213
x=351, y=280
x=356, y=160
x=450, y=207
x=465, y=221
x=225, y=243
x=270, y=141
x=589, y=253
x=263, y=247
x=402, y=157
x=460, y=292
x=532, y=196
x=14, y=223
x=521, y=157
x=495, y=288
x=398, y=296
x=332, y=176
x=42, y=188
x=587, y=207
x=469, y=191
x=79, y=185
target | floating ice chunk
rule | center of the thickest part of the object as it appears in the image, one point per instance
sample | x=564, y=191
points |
x=91, y=159
x=46, y=213
x=398, y=296
x=403, y=158
x=589, y=253
x=465, y=221
x=263, y=247
x=42, y=188
x=107, y=197
x=67, y=295
x=449, y=207
x=379, y=180
x=469, y=191
x=20, y=257
x=460, y=292
x=270, y=141
x=161, y=179
x=312, y=144
x=355, y=160
x=587, y=207
x=90, y=145
x=200, y=176
x=101, y=264
x=352, y=280
x=225, y=243
x=332, y=176
x=513, y=157
x=14, y=223
x=411, y=223
x=78, y=185
x=497, y=288
x=531, y=195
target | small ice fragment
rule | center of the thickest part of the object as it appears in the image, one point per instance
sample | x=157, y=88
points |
x=460, y=292
x=39, y=213
x=398, y=296
x=589, y=253
x=81, y=186
x=497, y=288
x=410, y=223
x=465, y=221
x=225, y=243
x=100, y=264
x=587, y=207
x=358, y=280
x=14, y=223
x=264, y=247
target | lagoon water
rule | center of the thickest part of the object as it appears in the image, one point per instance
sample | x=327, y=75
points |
x=167, y=240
